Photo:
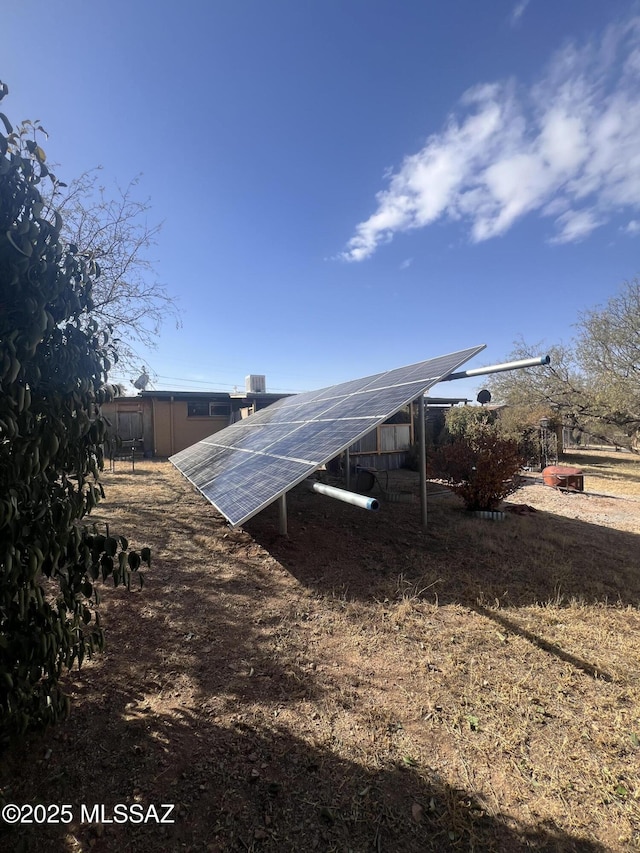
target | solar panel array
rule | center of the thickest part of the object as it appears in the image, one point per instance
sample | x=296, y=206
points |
x=248, y=465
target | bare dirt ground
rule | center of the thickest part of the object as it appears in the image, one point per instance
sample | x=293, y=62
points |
x=360, y=685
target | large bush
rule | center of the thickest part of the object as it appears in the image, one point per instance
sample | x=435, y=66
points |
x=513, y=423
x=483, y=471
x=53, y=368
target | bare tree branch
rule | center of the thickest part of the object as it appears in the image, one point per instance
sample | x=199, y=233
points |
x=114, y=231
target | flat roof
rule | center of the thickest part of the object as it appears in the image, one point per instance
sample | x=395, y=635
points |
x=207, y=395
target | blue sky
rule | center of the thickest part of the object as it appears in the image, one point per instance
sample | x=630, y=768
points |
x=347, y=186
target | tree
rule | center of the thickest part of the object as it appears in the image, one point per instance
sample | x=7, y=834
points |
x=467, y=421
x=593, y=385
x=54, y=362
x=608, y=349
x=127, y=297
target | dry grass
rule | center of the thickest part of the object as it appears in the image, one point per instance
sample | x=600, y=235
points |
x=616, y=473
x=360, y=685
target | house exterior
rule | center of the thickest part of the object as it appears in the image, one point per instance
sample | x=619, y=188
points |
x=162, y=423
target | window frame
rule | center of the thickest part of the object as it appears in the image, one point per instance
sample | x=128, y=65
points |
x=208, y=409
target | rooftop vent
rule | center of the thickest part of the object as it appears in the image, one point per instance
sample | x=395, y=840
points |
x=255, y=384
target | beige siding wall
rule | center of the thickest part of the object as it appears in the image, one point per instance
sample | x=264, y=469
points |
x=174, y=430
x=165, y=427
x=189, y=430
x=162, y=429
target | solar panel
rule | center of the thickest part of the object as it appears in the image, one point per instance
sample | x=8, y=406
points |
x=248, y=465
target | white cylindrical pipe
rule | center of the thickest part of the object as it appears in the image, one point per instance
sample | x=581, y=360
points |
x=348, y=497
x=499, y=368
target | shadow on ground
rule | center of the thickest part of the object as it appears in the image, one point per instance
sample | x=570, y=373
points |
x=240, y=788
x=530, y=559
x=183, y=707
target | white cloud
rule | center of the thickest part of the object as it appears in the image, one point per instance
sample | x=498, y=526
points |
x=406, y=264
x=632, y=227
x=575, y=225
x=566, y=148
x=517, y=12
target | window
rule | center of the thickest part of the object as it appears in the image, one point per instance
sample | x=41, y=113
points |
x=208, y=409
x=198, y=410
x=219, y=410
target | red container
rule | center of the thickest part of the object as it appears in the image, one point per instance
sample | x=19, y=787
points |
x=563, y=477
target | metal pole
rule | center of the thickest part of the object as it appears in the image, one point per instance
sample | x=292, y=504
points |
x=422, y=444
x=499, y=368
x=347, y=468
x=343, y=495
x=282, y=512
x=171, y=427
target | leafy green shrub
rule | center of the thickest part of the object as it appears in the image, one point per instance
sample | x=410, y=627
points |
x=53, y=367
x=483, y=472
x=468, y=422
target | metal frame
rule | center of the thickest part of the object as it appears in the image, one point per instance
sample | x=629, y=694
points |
x=340, y=394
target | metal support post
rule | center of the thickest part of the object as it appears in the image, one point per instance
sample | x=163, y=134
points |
x=347, y=469
x=422, y=444
x=282, y=513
